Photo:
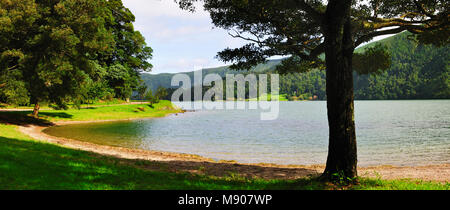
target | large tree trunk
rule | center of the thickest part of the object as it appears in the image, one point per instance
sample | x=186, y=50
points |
x=342, y=158
x=36, y=110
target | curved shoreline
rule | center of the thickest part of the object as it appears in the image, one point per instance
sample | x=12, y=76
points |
x=192, y=163
x=36, y=132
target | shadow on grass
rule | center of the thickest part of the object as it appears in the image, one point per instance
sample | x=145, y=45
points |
x=56, y=114
x=31, y=165
x=238, y=170
x=24, y=118
x=88, y=108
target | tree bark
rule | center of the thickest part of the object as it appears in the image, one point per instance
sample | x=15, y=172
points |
x=342, y=151
x=36, y=110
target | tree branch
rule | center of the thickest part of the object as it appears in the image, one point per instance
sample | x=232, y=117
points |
x=317, y=51
x=238, y=35
x=318, y=16
x=415, y=29
x=370, y=36
x=12, y=67
x=376, y=20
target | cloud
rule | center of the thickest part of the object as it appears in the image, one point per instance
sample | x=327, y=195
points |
x=164, y=21
x=151, y=9
x=182, y=41
x=174, y=33
x=188, y=64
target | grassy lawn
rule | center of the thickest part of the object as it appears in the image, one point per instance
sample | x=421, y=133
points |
x=282, y=97
x=111, y=112
x=28, y=164
x=99, y=113
x=47, y=106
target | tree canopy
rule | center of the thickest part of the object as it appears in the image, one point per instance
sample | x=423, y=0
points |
x=297, y=27
x=53, y=50
x=130, y=55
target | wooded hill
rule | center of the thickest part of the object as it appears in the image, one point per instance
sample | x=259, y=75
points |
x=417, y=72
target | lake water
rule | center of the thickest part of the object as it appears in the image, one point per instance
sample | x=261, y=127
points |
x=388, y=133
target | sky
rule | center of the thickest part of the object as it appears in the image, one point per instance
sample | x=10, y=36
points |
x=181, y=41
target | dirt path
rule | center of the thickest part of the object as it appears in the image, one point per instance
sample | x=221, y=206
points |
x=197, y=164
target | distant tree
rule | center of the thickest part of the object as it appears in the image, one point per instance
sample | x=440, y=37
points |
x=161, y=93
x=141, y=90
x=307, y=29
x=152, y=99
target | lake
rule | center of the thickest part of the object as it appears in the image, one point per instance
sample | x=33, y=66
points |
x=388, y=133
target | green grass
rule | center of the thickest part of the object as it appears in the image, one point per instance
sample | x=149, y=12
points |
x=402, y=184
x=47, y=106
x=101, y=113
x=27, y=164
x=282, y=97
x=111, y=112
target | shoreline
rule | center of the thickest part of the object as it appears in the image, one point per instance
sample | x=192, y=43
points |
x=197, y=164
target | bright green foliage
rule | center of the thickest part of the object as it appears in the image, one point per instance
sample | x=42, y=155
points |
x=130, y=49
x=49, y=45
x=151, y=98
x=374, y=60
x=13, y=90
x=161, y=93
x=63, y=51
x=130, y=53
x=121, y=81
x=95, y=91
x=141, y=90
x=69, y=34
x=417, y=72
x=16, y=17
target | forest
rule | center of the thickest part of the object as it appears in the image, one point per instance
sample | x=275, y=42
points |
x=416, y=71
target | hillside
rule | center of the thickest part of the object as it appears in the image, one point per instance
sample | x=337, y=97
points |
x=164, y=80
x=417, y=72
